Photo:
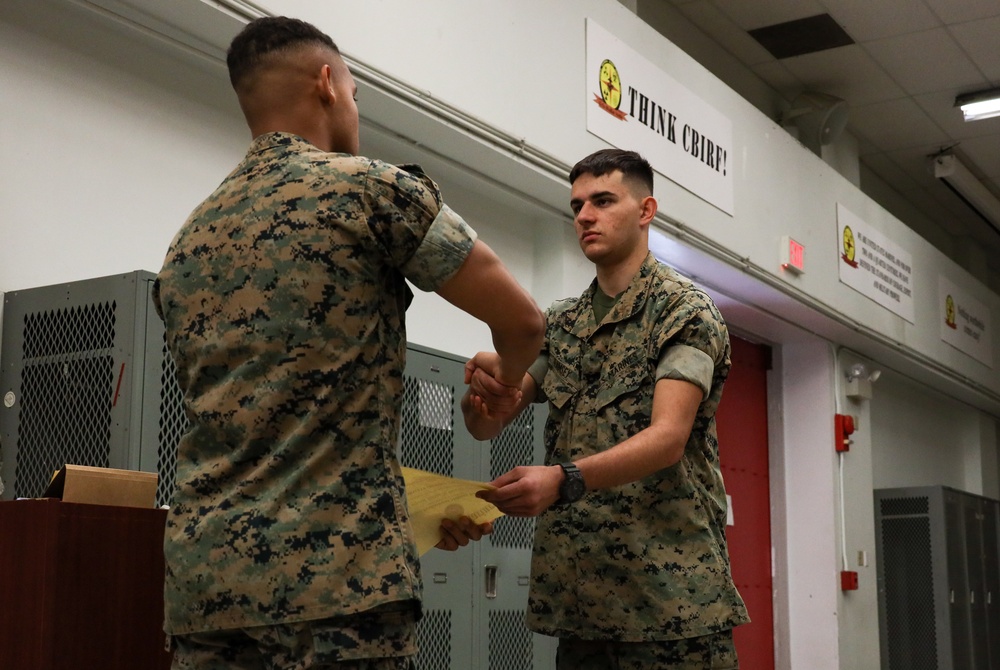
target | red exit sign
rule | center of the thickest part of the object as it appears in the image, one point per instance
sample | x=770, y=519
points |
x=793, y=256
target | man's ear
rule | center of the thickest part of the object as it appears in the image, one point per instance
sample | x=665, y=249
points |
x=647, y=210
x=324, y=85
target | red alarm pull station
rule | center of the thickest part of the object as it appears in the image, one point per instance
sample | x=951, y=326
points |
x=843, y=426
x=848, y=580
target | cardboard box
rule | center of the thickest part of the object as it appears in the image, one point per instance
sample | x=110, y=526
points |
x=103, y=486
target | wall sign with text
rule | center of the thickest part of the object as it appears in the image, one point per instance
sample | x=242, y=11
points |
x=874, y=265
x=634, y=105
x=965, y=322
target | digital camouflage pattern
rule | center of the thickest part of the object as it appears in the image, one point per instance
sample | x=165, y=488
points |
x=377, y=640
x=645, y=561
x=716, y=651
x=283, y=298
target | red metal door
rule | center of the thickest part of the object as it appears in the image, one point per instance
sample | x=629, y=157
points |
x=742, y=425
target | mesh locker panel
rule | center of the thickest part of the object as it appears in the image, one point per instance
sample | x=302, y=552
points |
x=513, y=447
x=903, y=506
x=510, y=641
x=67, y=392
x=909, y=593
x=427, y=436
x=173, y=423
x=434, y=633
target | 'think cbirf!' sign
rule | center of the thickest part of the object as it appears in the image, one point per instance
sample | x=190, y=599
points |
x=634, y=105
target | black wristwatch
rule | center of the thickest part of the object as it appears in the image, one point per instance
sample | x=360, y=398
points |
x=573, y=486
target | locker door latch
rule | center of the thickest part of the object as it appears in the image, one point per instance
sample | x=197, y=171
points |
x=491, y=581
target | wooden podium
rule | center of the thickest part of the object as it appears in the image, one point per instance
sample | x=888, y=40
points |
x=81, y=586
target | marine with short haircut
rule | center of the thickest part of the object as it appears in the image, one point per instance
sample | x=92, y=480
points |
x=288, y=542
x=630, y=567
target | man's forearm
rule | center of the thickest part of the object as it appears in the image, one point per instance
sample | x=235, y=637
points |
x=518, y=345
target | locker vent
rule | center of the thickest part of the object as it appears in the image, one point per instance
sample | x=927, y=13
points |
x=67, y=391
x=510, y=641
x=909, y=592
x=904, y=506
x=427, y=434
x=434, y=633
x=173, y=423
x=513, y=447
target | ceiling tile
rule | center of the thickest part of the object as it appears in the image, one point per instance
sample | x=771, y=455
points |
x=750, y=15
x=846, y=72
x=722, y=29
x=779, y=78
x=802, y=36
x=923, y=62
x=877, y=19
x=895, y=124
x=959, y=11
x=915, y=161
x=984, y=152
x=979, y=40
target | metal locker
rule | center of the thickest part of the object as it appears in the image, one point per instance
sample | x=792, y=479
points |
x=73, y=372
x=475, y=598
x=938, y=558
x=432, y=388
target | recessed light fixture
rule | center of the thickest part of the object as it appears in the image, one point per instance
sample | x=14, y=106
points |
x=979, y=105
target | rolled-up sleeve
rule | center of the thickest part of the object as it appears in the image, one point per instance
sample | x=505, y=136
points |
x=687, y=364
x=447, y=244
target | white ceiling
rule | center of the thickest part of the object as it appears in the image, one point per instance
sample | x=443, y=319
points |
x=911, y=58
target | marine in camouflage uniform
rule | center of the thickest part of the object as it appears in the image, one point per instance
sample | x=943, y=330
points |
x=630, y=567
x=283, y=298
x=645, y=560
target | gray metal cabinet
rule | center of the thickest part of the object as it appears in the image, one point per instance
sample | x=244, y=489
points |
x=475, y=598
x=938, y=579
x=81, y=377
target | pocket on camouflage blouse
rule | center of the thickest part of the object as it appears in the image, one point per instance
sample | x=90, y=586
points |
x=561, y=383
x=623, y=378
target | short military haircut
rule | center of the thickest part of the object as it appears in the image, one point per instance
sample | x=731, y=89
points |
x=263, y=37
x=632, y=166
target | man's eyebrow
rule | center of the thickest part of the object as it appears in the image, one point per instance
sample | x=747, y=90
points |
x=591, y=196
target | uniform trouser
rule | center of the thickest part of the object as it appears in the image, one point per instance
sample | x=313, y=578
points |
x=373, y=641
x=708, y=652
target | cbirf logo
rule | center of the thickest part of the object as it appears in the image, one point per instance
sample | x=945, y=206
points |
x=849, y=247
x=611, y=90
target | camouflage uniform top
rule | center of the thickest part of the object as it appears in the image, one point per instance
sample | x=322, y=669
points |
x=284, y=298
x=646, y=561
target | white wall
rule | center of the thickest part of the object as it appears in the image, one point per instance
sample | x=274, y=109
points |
x=107, y=145
x=806, y=559
x=924, y=438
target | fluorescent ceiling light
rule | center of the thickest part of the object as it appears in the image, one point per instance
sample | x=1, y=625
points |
x=981, y=105
x=949, y=169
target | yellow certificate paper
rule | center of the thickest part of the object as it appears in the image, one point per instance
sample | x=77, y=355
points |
x=432, y=498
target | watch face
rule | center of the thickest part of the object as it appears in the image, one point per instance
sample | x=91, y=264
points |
x=573, y=488
x=611, y=84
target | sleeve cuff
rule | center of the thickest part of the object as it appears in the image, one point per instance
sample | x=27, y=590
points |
x=687, y=364
x=442, y=252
